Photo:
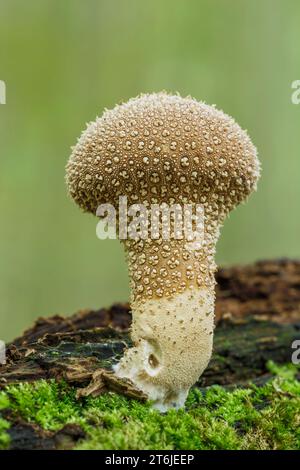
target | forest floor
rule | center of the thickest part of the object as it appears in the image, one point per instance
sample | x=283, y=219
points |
x=57, y=389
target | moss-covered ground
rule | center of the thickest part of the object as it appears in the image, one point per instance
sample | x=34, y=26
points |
x=266, y=417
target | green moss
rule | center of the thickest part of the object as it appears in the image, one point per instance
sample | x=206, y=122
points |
x=4, y=437
x=4, y=424
x=254, y=418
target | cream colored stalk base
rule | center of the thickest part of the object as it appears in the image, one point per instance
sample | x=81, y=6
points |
x=172, y=345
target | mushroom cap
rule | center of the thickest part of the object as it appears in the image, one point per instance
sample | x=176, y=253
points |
x=162, y=148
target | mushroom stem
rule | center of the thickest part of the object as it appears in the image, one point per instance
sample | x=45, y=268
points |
x=172, y=346
x=172, y=334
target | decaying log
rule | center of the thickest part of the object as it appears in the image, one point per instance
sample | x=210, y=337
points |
x=257, y=316
x=257, y=320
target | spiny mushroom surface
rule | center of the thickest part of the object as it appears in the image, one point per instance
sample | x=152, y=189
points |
x=156, y=149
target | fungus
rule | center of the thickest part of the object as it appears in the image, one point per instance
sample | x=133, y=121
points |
x=164, y=149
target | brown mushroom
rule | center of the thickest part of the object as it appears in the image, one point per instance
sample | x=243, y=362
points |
x=164, y=149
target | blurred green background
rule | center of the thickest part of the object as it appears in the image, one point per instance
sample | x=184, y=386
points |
x=64, y=61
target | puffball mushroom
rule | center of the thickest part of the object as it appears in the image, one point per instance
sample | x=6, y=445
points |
x=154, y=149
